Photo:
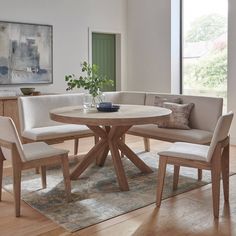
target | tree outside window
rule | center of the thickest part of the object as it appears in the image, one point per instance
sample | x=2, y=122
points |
x=205, y=53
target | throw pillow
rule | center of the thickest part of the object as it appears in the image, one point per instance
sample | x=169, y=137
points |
x=159, y=101
x=179, y=118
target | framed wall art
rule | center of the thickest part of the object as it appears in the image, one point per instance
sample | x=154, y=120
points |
x=25, y=53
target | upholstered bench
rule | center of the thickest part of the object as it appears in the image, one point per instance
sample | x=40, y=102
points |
x=36, y=124
x=202, y=120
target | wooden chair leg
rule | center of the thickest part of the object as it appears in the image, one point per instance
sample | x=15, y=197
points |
x=43, y=176
x=17, y=189
x=176, y=177
x=146, y=144
x=215, y=176
x=1, y=173
x=225, y=172
x=199, y=173
x=66, y=174
x=161, y=179
x=76, y=146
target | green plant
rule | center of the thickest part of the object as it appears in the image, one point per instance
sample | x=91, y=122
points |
x=92, y=81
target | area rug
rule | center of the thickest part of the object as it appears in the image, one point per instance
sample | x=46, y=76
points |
x=96, y=195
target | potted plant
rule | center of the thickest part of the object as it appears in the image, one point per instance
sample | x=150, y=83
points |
x=91, y=81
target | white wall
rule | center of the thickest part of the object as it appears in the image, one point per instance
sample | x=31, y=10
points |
x=175, y=46
x=149, y=45
x=153, y=49
x=71, y=20
x=148, y=24
x=232, y=66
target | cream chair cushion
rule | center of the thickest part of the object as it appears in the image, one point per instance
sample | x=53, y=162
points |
x=187, y=151
x=39, y=150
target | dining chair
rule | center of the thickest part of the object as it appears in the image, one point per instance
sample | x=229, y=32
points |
x=214, y=157
x=26, y=156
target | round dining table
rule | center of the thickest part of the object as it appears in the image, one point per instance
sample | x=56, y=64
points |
x=110, y=128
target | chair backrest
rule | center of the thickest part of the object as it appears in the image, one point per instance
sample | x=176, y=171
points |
x=221, y=132
x=9, y=133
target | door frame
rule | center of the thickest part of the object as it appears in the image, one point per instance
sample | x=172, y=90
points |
x=118, y=51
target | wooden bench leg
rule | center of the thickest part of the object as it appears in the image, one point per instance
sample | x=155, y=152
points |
x=199, y=172
x=76, y=146
x=66, y=175
x=43, y=177
x=146, y=144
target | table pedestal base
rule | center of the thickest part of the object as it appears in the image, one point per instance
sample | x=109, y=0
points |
x=110, y=139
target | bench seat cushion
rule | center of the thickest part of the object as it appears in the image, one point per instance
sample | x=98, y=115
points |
x=172, y=135
x=57, y=131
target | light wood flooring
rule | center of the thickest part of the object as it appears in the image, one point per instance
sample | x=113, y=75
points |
x=186, y=214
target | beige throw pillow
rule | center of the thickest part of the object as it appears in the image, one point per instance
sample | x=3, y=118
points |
x=179, y=118
x=159, y=101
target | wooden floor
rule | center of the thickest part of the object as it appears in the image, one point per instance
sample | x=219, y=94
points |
x=186, y=214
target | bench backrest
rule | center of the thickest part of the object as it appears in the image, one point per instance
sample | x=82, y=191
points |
x=126, y=97
x=205, y=113
x=34, y=111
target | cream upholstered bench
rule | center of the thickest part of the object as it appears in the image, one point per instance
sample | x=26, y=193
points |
x=36, y=124
x=202, y=121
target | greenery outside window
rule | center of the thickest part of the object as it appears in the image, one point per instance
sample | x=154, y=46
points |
x=204, y=47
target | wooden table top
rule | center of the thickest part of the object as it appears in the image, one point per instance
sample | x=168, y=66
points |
x=126, y=115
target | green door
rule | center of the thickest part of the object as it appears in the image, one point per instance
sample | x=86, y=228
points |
x=104, y=55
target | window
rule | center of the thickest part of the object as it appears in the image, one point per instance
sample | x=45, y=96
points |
x=204, y=47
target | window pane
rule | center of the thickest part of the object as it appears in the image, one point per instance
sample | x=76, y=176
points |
x=205, y=48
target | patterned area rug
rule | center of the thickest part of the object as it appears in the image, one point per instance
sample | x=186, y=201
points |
x=96, y=195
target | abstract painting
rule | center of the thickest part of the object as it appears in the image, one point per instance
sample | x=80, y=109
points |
x=25, y=53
